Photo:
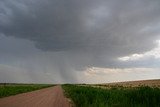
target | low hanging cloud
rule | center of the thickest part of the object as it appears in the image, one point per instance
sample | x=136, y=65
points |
x=116, y=26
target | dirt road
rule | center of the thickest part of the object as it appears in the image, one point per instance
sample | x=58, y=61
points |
x=48, y=97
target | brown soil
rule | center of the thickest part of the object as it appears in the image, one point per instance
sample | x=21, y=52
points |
x=48, y=97
x=151, y=83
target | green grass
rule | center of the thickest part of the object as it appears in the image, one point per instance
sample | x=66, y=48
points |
x=84, y=96
x=13, y=89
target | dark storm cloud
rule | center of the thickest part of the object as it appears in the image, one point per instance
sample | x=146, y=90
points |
x=73, y=34
x=58, y=25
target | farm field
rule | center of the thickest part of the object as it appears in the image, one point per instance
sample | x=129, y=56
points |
x=114, y=96
x=13, y=89
x=129, y=84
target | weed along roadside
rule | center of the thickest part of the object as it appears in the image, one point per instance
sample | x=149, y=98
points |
x=114, y=97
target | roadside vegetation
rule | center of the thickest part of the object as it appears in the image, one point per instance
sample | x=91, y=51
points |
x=85, y=96
x=13, y=89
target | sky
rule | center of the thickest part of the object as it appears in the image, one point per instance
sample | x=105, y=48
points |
x=79, y=41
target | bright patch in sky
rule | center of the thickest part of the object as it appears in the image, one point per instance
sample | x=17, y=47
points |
x=155, y=53
x=97, y=74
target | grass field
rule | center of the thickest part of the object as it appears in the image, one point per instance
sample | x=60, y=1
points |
x=13, y=89
x=84, y=96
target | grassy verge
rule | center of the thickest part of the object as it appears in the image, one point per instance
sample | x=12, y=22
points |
x=114, y=97
x=13, y=89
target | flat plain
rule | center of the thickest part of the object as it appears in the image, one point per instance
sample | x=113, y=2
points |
x=144, y=93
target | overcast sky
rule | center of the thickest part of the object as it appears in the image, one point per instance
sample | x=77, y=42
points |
x=79, y=41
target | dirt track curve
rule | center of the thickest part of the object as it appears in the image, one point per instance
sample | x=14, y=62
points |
x=48, y=97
